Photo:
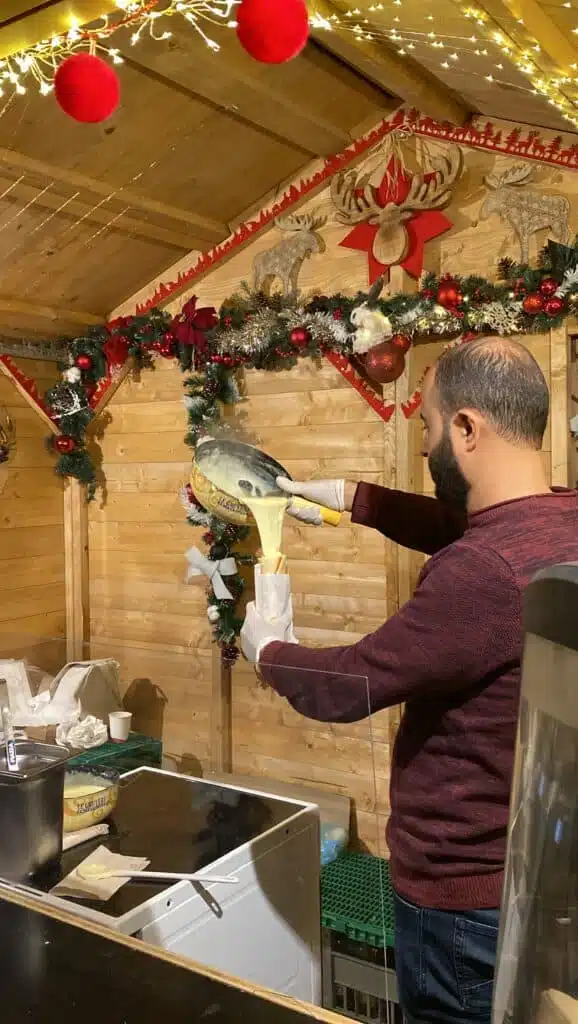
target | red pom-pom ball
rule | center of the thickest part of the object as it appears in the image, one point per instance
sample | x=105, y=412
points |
x=272, y=32
x=83, y=361
x=87, y=88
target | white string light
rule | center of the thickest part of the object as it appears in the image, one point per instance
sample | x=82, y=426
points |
x=40, y=62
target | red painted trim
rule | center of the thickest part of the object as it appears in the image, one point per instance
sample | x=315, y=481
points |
x=527, y=146
x=28, y=384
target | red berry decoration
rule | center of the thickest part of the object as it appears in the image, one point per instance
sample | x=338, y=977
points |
x=449, y=295
x=272, y=32
x=300, y=337
x=554, y=306
x=64, y=444
x=83, y=362
x=401, y=342
x=86, y=88
x=384, y=363
x=547, y=287
x=167, y=348
x=533, y=304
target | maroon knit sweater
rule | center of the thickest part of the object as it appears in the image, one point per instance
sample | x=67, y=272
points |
x=452, y=655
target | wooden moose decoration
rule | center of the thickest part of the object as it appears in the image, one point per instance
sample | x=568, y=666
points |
x=525, y=210
x=284, y=261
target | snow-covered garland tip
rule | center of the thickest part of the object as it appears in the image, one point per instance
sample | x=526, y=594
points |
x=272, y=333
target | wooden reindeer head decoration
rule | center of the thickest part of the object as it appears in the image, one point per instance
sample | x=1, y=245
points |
x=356, y=202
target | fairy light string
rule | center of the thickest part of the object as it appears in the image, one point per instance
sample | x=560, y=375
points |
x=145, y=17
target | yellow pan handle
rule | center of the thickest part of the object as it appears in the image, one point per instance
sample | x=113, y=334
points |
x=328, y=515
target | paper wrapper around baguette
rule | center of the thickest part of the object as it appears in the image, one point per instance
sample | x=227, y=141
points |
x=272, y=594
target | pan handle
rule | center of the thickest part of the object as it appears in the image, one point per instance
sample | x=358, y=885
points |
x=329, y=515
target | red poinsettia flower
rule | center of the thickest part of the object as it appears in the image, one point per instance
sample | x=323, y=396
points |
x=116, y=349
x=189, y=327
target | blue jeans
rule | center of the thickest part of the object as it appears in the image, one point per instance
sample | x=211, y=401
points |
x=445, y=963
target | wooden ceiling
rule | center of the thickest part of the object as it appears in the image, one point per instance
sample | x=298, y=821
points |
x=90, y=214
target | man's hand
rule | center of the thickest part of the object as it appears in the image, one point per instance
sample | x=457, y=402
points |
x=335, y=494
x=258, y=631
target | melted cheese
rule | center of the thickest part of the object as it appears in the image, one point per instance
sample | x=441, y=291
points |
x=268, y=514
x=75, y=791
x=268, y=511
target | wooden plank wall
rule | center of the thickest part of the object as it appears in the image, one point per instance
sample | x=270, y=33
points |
x=143, y=613
x=345, y=581
x=32, y=598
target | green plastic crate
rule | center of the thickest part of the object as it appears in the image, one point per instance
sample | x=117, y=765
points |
x=356, y=899
x=137, y=752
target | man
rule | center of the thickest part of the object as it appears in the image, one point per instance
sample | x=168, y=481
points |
x=452, y=655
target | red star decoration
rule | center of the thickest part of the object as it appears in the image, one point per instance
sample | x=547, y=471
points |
x=421, y=227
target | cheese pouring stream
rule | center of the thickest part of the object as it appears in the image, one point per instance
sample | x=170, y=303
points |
x=237, y=482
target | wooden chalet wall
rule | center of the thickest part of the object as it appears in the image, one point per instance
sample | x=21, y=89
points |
x=32, y=560
x=345, y=581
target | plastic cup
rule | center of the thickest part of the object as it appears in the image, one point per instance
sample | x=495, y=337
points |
x=119, y=725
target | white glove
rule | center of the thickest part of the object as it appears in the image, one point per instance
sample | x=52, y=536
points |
x=270, y=616
x=330, y=493
x=258, y=631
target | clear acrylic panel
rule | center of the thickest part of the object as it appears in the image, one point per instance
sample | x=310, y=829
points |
x=537, y=978
x=321, y=747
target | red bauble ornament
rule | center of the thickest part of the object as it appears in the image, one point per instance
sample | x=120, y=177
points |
x=547, y=287
x=83, y=362
x=533, y=304
x=86, y=88
x=401, y=342
x=554, y=306
x=64, y=444
x=384, y=363
x=448, y=294
x=272, y=32
x=300, y=337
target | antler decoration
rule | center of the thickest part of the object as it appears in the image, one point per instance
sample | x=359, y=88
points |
x=7, y=436
x=356, y=201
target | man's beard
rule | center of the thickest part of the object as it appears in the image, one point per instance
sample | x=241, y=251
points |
x=450, y=483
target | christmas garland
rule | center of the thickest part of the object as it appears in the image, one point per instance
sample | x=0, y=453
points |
x=272, y=333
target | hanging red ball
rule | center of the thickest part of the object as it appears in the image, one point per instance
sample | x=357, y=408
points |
x=86, y=88
x=533, y=304
x=401, y=342
x=384, y=363
x=83, y=362
x=300, y=337
x=272, y=32
x=64, y=444
x=547, y=287
x=554, y=306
